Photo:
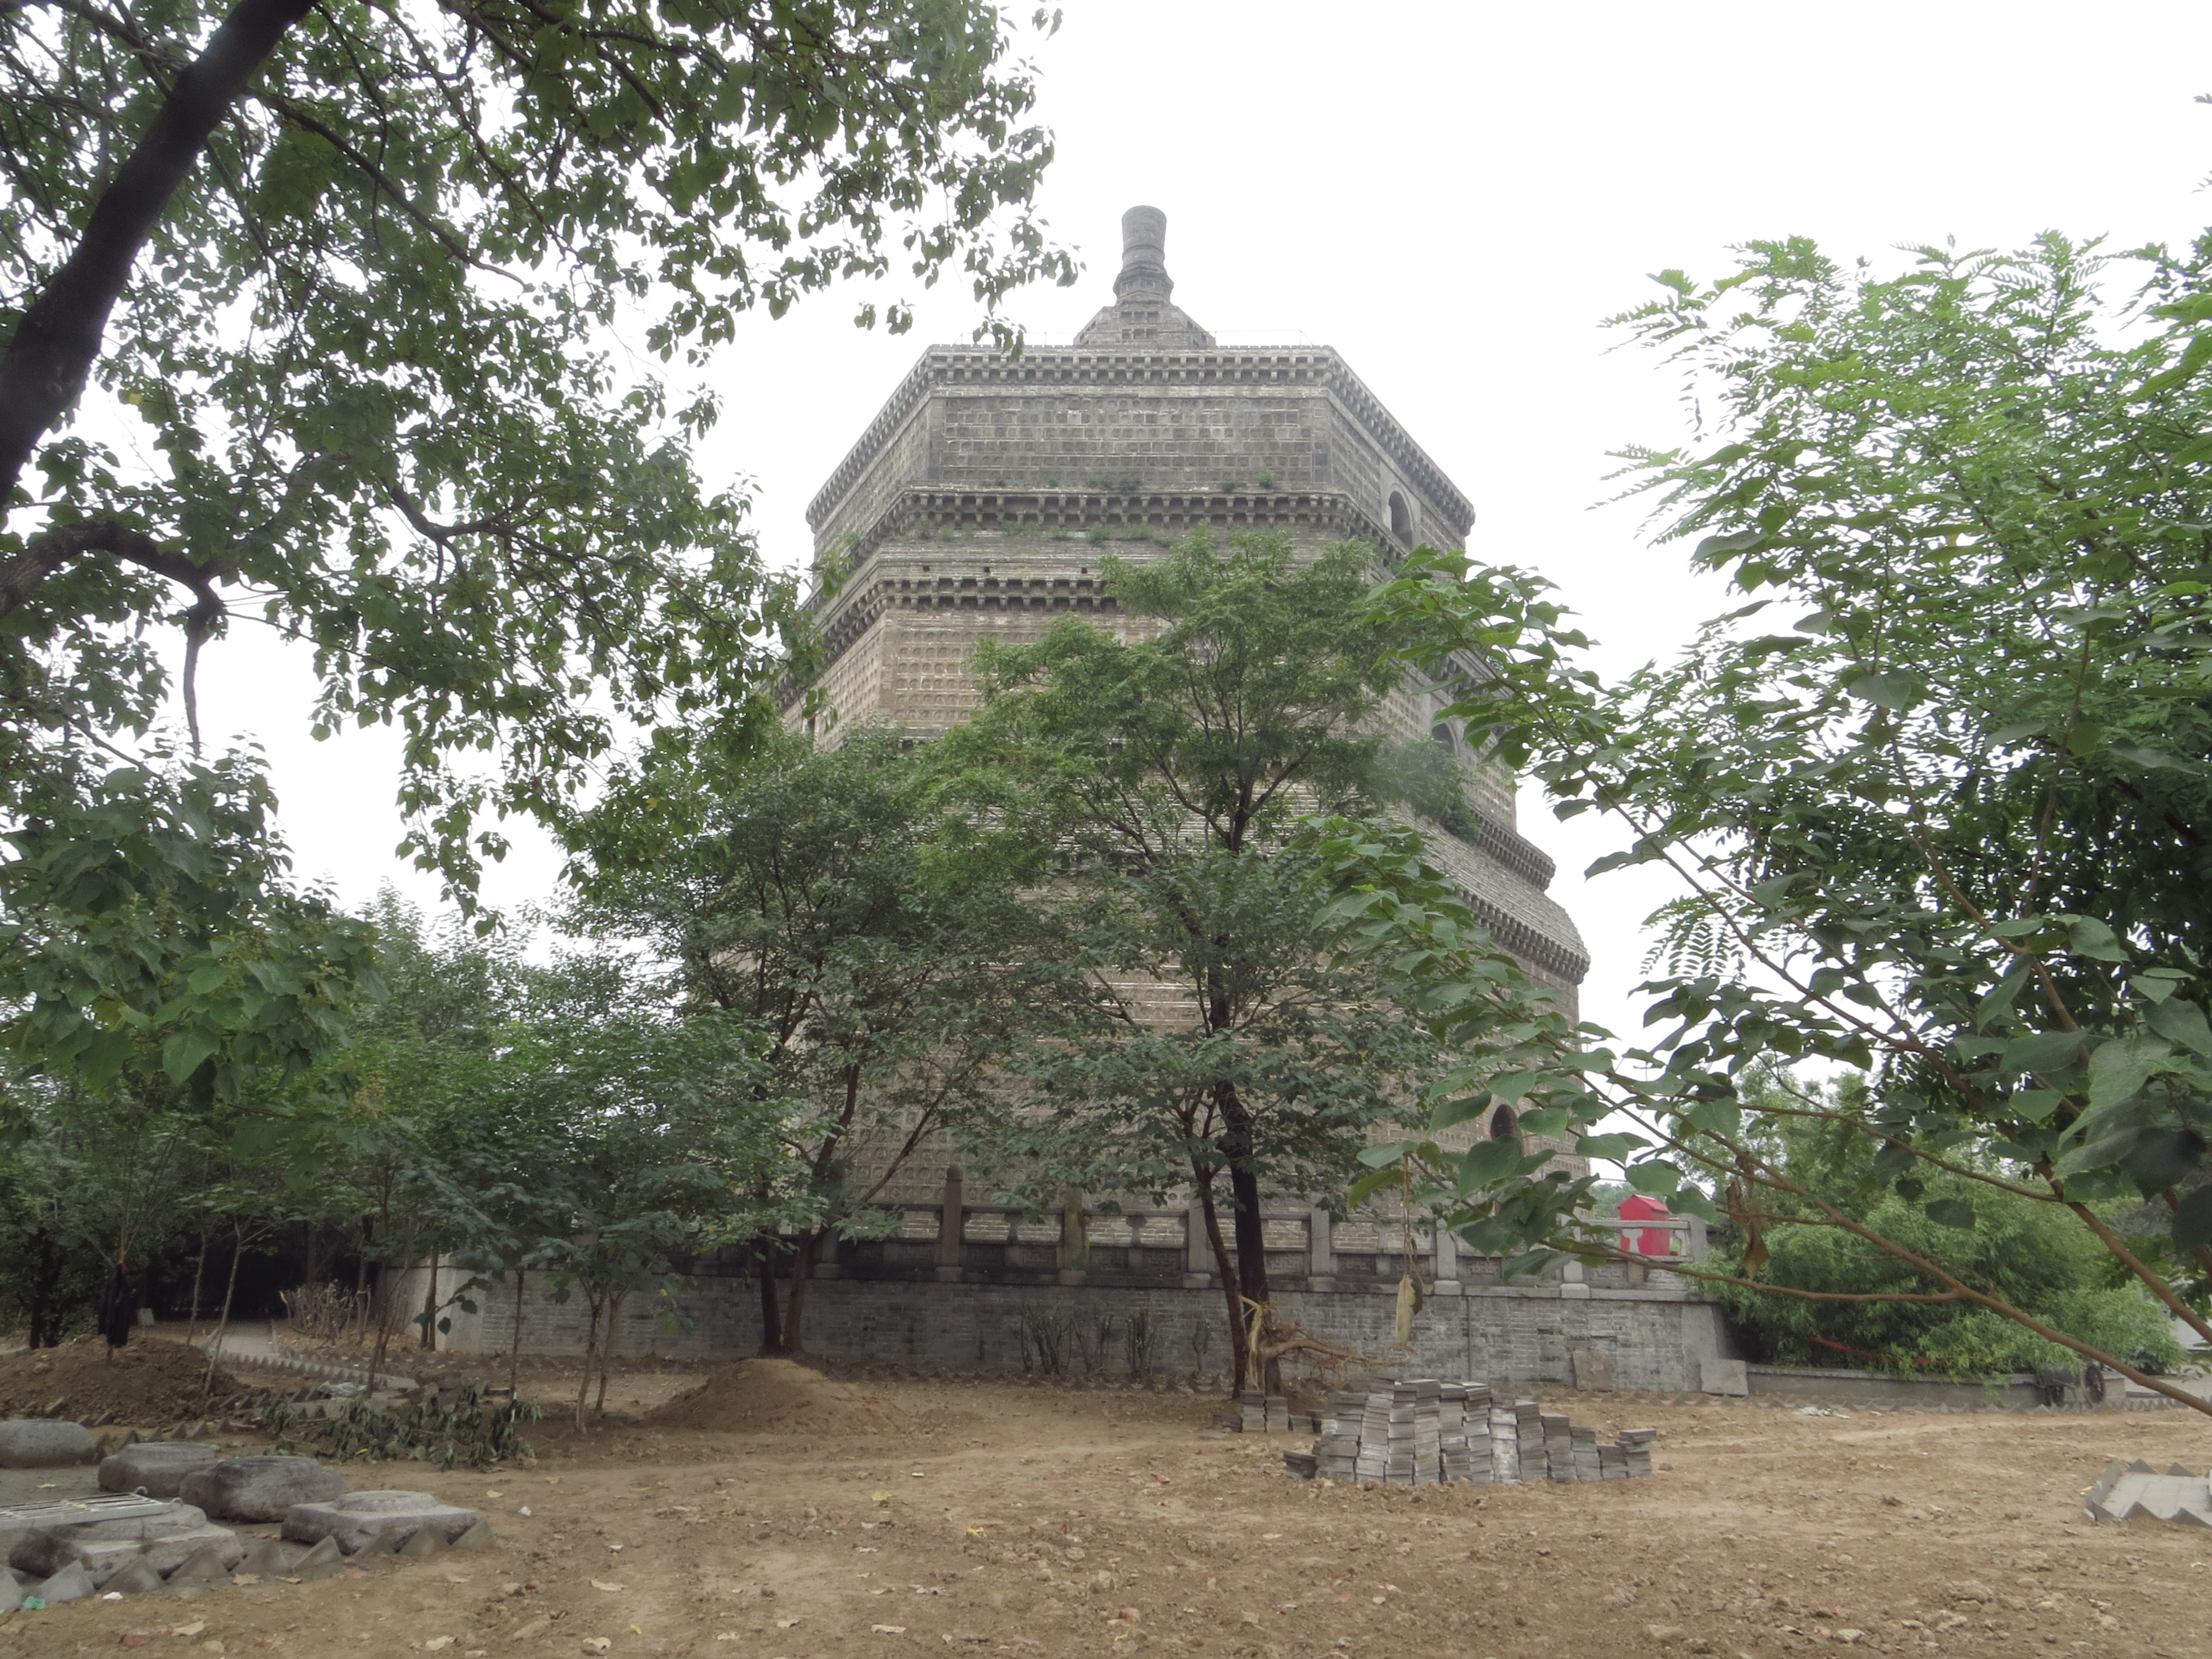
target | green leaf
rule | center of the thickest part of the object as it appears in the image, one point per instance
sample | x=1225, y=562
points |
x=1368, y=1185
x=2120, y=1068
x=2045, y=1052
x=2181, y=1022
x=1487, y=1163
x=1613, y=1148
x=2088, y=937
x=2193, y=1220
x=1450, y=1113
x=1654, y=1179
x=1545, y=1121
x=1897, y=690
x=1950, y=1213
x=2149, y=758
x=187, y=1052
x=1723, y=1118
x=2036, y=1105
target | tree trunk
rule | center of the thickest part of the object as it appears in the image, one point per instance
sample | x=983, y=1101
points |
x=791, y=1336
x=431, y=1309
x=1224, y=1269
x=514, y=1348
x=43, y=371
x=1251, y=1228
x=229, y=1290
x=384, y=1305
x=199, y=1275
x=591, y=1349
x=771, y=1314
x=607, y=1344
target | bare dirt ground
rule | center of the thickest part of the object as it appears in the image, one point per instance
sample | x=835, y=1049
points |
x=986, y=1518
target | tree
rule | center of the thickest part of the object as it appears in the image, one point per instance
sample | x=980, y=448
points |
x=817, y=895
x=555, y=1116
x=667, y=1143
x=1167, y=771
x=1944, y=828
x=351, y=268
x=147, y=931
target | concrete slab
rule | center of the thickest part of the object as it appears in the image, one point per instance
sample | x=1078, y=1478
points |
x=71, y=1583
x=260, y=1488
x=30, y=1442
x=1725, y=1377
x=2135, y=1491
x=157, y=1467
x=103, y=1548
x=377, y=1521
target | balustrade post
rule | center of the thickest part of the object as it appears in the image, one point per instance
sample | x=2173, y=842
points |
x=1198, y=1253
x=1445, y=1271
x=1074, y=1238
x=1321, y=1250
x=952, y=1224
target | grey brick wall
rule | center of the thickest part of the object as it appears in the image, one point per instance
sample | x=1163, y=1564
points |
x=1507, y=1335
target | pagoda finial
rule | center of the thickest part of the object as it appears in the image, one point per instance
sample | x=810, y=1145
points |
x=1142, y=313
x=1144, y=254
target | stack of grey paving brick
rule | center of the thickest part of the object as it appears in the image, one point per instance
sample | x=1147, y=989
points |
x=1425, y=1430
x=1374, y=1460
x=1529, y=1431
x=1587, y=1466
x=1559, y=1446
x=1336, y=1453
x=1260, y=1413
x=1428, y=1431
x=1504, y=1445
x=1401, y=1459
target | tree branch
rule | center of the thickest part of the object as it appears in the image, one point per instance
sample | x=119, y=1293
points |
x=43, y=371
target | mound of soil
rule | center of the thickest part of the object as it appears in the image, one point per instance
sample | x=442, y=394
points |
x=149, y=1380
x=778, y=1396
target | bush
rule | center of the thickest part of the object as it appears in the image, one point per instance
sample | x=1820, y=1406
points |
x=464, y=1427
x=2036, y=1255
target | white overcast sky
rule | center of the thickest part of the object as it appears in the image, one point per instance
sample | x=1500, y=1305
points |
x=1452, y=195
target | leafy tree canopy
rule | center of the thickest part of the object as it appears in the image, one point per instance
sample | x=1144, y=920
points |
x=821, y=896
x=1170, y=771
x=352, y=277
x=351, y=270
x=1936, y=790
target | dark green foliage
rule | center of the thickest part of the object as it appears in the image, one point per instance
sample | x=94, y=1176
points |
x=888, y=959
x=1936, y=790
x=1223, y=1045
x=462, y=1427
x=2031, y=1253
x=366, y=342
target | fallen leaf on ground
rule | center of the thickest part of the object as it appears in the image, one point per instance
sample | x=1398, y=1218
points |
x=889, y=1630
x=602, y=1584
x=192, y=1629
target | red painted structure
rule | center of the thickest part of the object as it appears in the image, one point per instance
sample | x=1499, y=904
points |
x=1652, y=1241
